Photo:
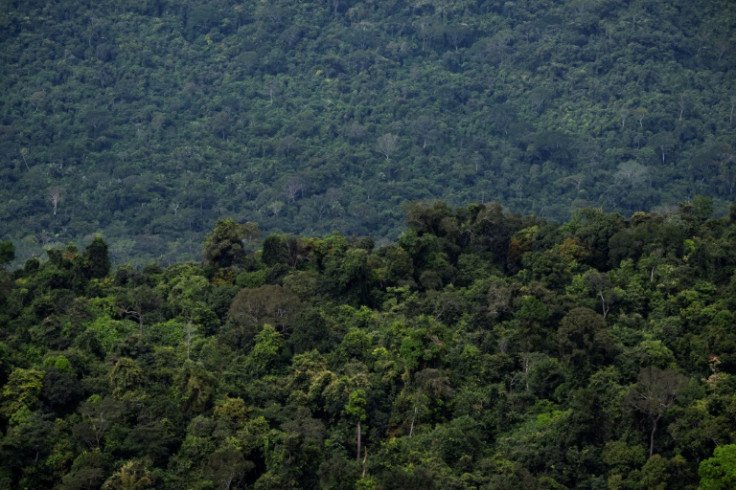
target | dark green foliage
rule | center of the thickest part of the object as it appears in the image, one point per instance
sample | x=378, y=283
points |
x=156, y=118
x=481, y=350
x=274, y=250
x=97, y=260
x=7, y=252
x=61, y=390
x=583, y=341
x=226, y=245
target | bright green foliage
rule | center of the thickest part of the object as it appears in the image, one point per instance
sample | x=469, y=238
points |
x=125, y=376
x=21, y=390
x=108, y=332
x=131, y=476
x=719, y=472
x=59, y=363
x=355, y=407
x=265, y=353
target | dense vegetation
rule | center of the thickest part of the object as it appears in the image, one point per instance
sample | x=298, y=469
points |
x=146, y=120
x=482, y=350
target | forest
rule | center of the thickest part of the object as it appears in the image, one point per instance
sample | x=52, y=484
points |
x=146, y=121
x=482, y=349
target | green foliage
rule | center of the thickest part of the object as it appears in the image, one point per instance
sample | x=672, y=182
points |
x=719, y=471
x=583, y=340
x=226, y=245
x=265, y=353
x=109, y=332
x=21, y=391
x=337, y=363
x=97, y=261
x=355, y=407
x=7, y=252
x=151, y=123
x=274, y=250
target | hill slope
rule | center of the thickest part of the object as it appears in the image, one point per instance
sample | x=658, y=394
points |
x=147, y=121
x=482, y=350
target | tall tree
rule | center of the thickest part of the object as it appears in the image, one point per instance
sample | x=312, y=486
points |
x=355, y=408
x=97, y=259
x=654, y=394
x=226, y=245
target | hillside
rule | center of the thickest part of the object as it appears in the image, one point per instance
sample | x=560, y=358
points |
x=482, y=350
x=146, y=121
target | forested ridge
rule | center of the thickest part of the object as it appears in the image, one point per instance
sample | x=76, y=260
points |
x=145, y=121
x=483, y=349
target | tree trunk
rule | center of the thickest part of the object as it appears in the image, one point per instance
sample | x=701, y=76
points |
x=603, y=304
x=651, y=436
x=357, y=454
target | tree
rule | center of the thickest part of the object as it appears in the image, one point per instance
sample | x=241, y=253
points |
x=131, y=476
x=684, y=104
x=228, y=466
x=594, y=230
x=266, y=304
x=7, y=252
x=663, y=141
x=26, y=445
x=719, y=471
x=294, y=187
x=24, y=156
x=532, y=314
x=125, y=376
x=387, y=144
x=425, y=129
x=195, y=386
x=88, y=471
x=641, y=113
x=138, y=302
x=96, y=259
x=22, y=390
x=55, y=194
x=98, y=416
x=350, y=276
x=631, y=174
x=356, y=409
x=227, y=244
x=601, y=284
x=272, y=87
x=584, y=341
x=265, y=353
x=274, y=250
x=221, y=123
x=654, y=394
x=655, y=474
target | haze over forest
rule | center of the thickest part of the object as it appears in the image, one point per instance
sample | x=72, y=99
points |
x=146, y=121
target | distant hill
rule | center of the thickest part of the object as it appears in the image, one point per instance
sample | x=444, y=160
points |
x=146, y=120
